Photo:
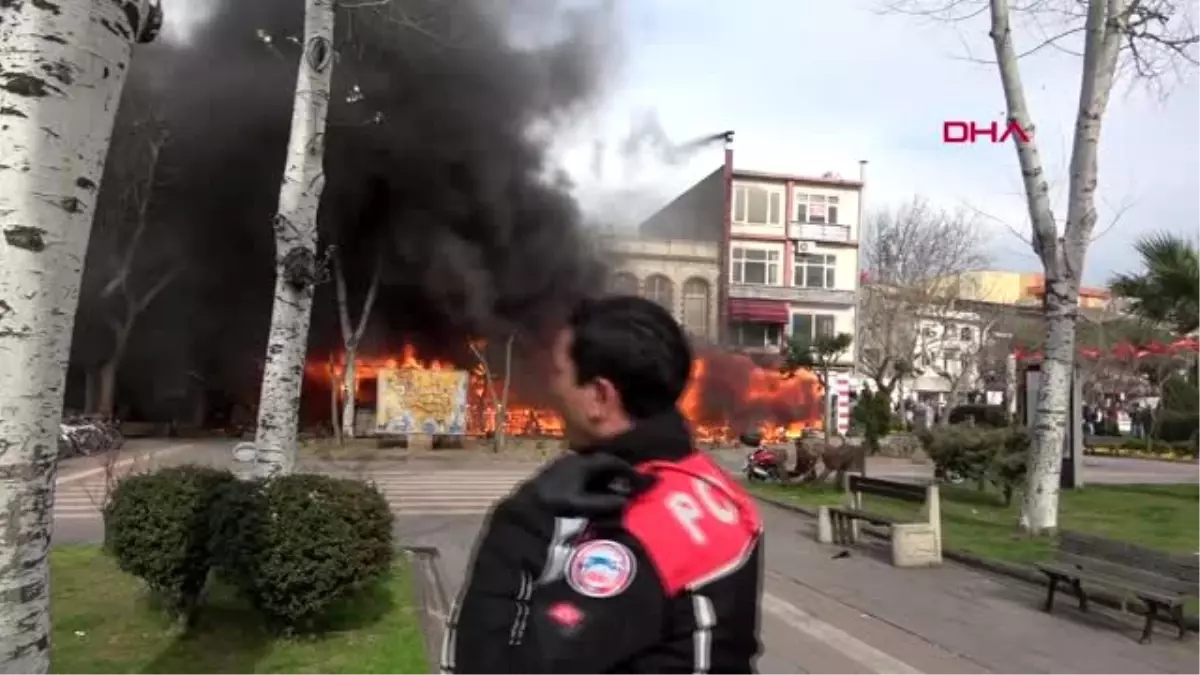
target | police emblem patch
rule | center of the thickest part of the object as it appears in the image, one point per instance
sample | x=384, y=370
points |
x=601, y=568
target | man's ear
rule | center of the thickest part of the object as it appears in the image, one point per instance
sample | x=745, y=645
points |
x=606, y=393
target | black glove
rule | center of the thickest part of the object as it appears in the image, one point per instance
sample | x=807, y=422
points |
x=590, y=484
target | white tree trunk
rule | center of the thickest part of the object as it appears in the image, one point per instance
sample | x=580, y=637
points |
x=352, y=336
x=349, y=391
x=63, y=68
x=502, y=403
x=1062, y=257
x=295, y=248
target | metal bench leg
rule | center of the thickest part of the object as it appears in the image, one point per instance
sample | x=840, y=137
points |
x=1050, y=590
x=1083, y=598
x=1151, y=614
x=1177, y=614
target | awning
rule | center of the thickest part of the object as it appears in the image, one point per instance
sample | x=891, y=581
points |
x=760, y=311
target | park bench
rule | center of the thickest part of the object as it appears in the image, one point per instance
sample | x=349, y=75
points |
x=915, y=543
x=1160, y=580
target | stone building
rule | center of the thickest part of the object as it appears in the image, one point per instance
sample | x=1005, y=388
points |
x=680, y=275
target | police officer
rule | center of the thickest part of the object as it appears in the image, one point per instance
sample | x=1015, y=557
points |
x=632, y=553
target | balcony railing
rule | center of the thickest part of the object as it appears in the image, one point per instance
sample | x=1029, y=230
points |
x=819, y=232
x=791, y=294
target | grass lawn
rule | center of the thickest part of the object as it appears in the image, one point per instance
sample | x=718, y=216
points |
x=104, y=622
x=1164, y=517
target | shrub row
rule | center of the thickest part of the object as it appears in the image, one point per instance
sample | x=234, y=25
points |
x=985, y=455
x=1139, y=447
x=292, y=545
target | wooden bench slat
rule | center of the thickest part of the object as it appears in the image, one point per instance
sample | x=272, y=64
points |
x=875, y=518
x=885, y=488
x=1140, y=577
x=1162, y=580
x=1130, y=587
x=1182, y=567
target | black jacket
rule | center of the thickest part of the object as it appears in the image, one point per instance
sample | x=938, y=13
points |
x=670, y=584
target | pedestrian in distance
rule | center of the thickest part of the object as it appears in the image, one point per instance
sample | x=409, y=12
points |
x=632, y=552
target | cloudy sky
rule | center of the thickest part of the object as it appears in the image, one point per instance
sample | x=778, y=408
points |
x=812, y=86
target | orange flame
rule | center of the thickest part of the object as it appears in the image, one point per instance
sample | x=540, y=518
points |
x=728, y=394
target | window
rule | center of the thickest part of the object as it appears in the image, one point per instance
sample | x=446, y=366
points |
x=755, y=266
x=815, y=270
x=757, y=205
x=951, y=361
x=809, y=326
x=757, y=335
x=661, y=290
x=696, y=300
x=966, y=334
x=816, y=209
x=623, y=283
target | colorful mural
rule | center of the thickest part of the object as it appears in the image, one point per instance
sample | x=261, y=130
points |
x=418, y=401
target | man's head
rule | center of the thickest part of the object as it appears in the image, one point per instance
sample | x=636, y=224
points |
x=618, y=360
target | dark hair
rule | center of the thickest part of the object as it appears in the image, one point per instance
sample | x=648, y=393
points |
x=635, y=344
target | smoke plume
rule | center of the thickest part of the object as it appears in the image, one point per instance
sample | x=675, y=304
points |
x=436, y=165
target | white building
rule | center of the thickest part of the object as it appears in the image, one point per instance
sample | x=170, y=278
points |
x=787, y=247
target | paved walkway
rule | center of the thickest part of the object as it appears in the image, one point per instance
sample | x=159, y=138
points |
x=859, y=614
x=820, y=613
x=950, y=619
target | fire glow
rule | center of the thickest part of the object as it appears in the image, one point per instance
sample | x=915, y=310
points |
x=728, y=395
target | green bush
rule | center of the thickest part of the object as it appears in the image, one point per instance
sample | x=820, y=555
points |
x=984, y=415
x=1173, y=426
x=295, y=544
x=1180, y=394
x=981, y=454
x=156, y=525
x=872, y=415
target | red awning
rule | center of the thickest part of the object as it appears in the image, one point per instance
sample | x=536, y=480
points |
x=761, y=311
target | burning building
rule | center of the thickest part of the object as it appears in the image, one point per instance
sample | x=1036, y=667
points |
x=729, y=394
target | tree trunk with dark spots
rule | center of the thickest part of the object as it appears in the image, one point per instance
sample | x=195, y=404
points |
x=296, y=248
x=62, y=67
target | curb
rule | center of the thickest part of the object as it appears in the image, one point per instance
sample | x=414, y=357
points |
x=430, y=593
x=1016, y=571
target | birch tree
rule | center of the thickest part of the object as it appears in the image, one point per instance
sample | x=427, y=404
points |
x=915, y=259
x=126, y=292
x=498, y=395
x=62, y=67
x=297, y=267
x=1153, y=36
x=352, y=337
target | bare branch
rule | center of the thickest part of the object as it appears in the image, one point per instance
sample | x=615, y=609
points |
x=372, y=291
x=339, y=278
x=916, y=258
x=165, y=280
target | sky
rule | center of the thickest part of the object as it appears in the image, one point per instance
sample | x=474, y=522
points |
x=812, y=86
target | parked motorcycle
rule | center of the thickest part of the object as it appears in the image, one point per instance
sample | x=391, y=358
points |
x=762, y=464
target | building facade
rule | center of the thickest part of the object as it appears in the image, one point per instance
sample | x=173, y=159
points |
x=787, y=250
x=1004, y=287
x=681, y=275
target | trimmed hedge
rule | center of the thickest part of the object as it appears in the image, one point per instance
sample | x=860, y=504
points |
x=292, y=544
x=156, y=525
x=984, y=415
x=295, y=544
x=980, y=454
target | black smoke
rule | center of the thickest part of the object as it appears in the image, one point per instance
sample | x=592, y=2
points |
x=436, y=164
